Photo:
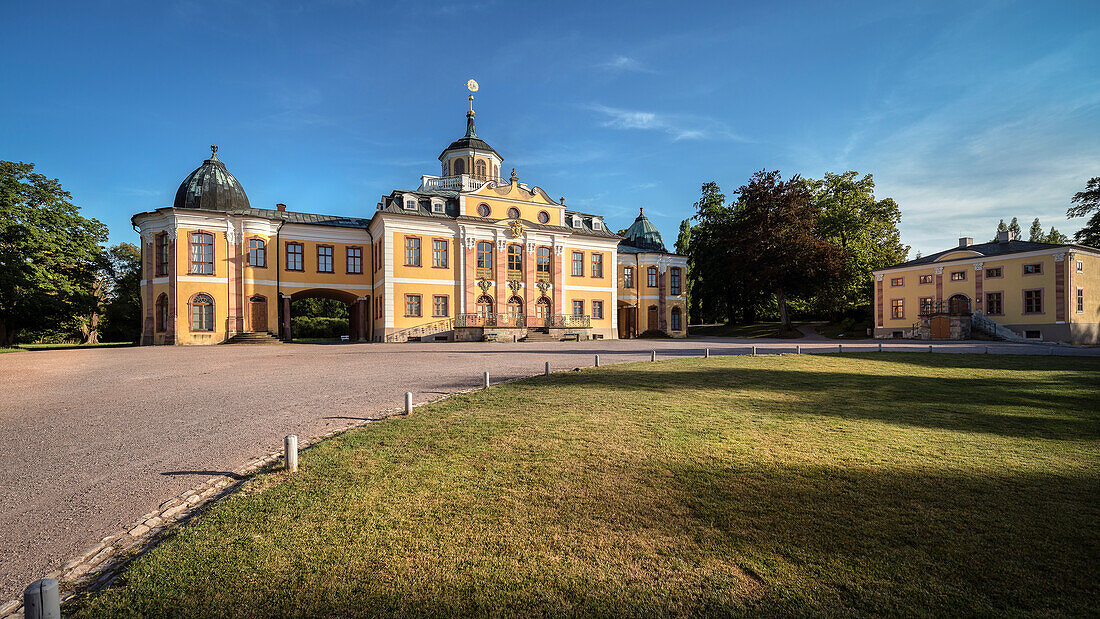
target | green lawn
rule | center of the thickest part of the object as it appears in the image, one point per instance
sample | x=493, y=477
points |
x=845, y=330
x=866, y=484
x=4, y=350
x=758, y=329
x=72, y=346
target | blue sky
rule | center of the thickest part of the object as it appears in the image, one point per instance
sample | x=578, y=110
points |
x=964, y=112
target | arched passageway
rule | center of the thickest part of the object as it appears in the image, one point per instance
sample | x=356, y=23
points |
x=358, y=317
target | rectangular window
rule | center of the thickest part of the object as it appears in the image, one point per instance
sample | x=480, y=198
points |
x=412, y=251
x=926, y=304
x=1080, y=266
x=439, y=254
x=958, y=276
x=515, y=257
x=439, y=306
x=1033, y=301
x=484, y=255
x=578, y=308
x=1033, y=269
x=324, y=259
x=542, y=260
x=651, y=277
x=162, y=254
x=1080, y=300
x=355, y=260
x=628, y=277
x=994, y=273
x=674, y=280
x=412, y=305
x=897, y=308
x=676, y=322
x=897, y=281
x=294, y=253
x=578, y=264
x=202, y=253
x=597, y=265
x=597, y=309
x=925, y=279
x=257, y=253
x=994, y=304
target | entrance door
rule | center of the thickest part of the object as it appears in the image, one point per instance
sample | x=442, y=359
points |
x=940, y=326
x=542, y=312
x=258, y=307
x=651, y=318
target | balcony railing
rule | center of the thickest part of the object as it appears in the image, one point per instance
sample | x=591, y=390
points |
x=571, y=322
x=462, y=182
x=952, y=308
x=490, y=320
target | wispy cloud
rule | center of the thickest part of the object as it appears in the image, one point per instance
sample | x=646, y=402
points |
x=625, y=64
x=679, y=126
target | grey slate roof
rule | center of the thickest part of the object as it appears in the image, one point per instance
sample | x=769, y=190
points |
x=293, y=217
x=642, y=234
x=211, y=187
x=470, y=140
x=992, y=248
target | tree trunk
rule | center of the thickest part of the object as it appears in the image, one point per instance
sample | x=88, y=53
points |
x=7, y=336
x=784, y=319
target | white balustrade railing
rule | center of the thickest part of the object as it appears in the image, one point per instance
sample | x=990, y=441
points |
x=462, y=182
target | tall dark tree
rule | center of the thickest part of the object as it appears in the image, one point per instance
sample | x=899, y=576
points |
x=721, y=291
x=1001, y=227
x=1014, y=228
x=866, y=228
x=777, y=238
x=683, y=246
x=121, y=275
x=1085, y=202
x=49, y=254
x=1035, y=234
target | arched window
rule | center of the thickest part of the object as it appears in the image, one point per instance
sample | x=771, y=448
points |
x=515, y=258
x=479, y=169
x=958, y=304
x=542, y=260
x=460, y=167
x=162, y=312
x=445, y=168
x=484, y=210
x=202, y=312
x=676, y=319
x=484, y=307
x=515, y=310
x=484, y=255
x=513, y=213
x=544, y=217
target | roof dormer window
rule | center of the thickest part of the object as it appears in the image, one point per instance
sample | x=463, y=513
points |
x=410, y=204
x=597, y=224
x=576, y=222
x=438, y=206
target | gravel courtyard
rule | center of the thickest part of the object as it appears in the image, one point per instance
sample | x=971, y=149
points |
x=95, y=438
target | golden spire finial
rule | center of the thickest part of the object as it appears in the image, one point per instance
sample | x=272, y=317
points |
x=472, y=86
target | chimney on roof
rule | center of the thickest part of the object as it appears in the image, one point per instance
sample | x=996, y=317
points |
x=1005, y=236
x=280, y=207
x=966, y=241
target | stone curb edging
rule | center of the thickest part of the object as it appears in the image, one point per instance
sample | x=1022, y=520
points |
x=99, y=566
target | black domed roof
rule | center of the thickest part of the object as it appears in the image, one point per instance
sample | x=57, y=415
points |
x=644, y=235
x=470, y=140
x=211, y=187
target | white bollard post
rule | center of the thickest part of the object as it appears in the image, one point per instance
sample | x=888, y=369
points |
x=486, y=380
x=840, y=347
x=42, y=599
x=653, y=355
x=929, y=348
x=408, y=402
x=597, y=361
x=880, y=346
x=290, y=452
x=706, y=353
x=547, y=368
x=754, y=351
x=798, y=349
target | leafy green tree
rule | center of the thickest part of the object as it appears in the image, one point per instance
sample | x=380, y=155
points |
x=720, y=290
x=1001, y=227
x=1087, y=201
x=121, y=275
x=1014, y=228
x=778, y=239
x=1056, y=237
x=683, y=246
x=865, y=228
x=1036, y=233
x=49, y=253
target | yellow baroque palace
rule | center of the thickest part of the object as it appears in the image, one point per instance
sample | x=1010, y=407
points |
x=467, y=255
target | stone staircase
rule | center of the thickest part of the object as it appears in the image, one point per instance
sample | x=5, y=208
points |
x=978, y=322
x=253, y=337
x=539, y=334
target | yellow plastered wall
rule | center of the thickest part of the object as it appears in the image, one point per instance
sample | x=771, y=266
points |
x=501, y=199
x=1088, y=280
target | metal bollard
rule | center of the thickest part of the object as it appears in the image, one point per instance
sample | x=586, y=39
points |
x=408, y=402
x=840, y=347
x=706, y=353
x=880, y=346
x=597, y=361
x=798, y=349
x=929, y=348
x=653, y=355
x=290, y=452
x=42, y=600
x=486, y=380
x=754, y=351
x=547, y=368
